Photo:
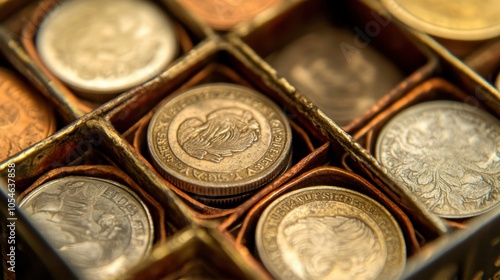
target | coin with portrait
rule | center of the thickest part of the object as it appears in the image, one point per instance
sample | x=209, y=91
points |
x=100, y=226
x=219, y=140
x=327, y=232
x=101, y=48
x=447, y=153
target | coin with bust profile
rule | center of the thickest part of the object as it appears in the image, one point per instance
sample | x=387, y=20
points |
x=458, y=20
x=342, y=83
x=100, y=226
x=447, y=153
x=224, y=14
x=328, y=232
x=102, y=48
x=25, y=117
x=219, y=140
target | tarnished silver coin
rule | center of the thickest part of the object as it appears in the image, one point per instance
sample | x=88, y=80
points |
x=100, y=226
x=447, y=153
x=343, y=80
x=101, y=48
x=327, y=232
x=219, y=140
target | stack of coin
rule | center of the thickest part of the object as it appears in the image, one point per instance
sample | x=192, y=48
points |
x=102, y=48
x=25, y=118
x=101, y=227
x=342, y=80
x=327, y=232
x=219, y=141
x=224, y=14
x=447, y=153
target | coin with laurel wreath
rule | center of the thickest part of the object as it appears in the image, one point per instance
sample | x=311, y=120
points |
x=447, y=153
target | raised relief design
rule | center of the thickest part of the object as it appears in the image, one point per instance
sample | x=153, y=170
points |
x=224, y=132
x=337, y=246
x=82, y=225
x=450, y=159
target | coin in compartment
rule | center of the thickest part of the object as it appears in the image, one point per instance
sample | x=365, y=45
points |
x=100, y=226
x=219, y=140
x=328, y=232
x=102, y=48
x=458, y=20
x=343, y=81
x=224, y=14
x=447, y=153
x=25, y=117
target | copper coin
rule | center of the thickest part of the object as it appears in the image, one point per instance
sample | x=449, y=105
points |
x=326, y=232
x=100, y=226
x=224, y=14
x=447, y=153
x=25, y=117
x=102, y=48
x=219, y=140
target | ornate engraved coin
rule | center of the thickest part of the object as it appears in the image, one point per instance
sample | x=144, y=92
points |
x=327, y=232
x=25, y=118
x=219, y=140
x=342, y=82
x=447, y=153
x=224, y=14
x=101, y=48
x=459, y=20
x=100, y=226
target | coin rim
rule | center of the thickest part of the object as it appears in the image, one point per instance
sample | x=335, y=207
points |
x=260, y=224
x=481, y=114
x=413, y=21
x=149, y=218
x=227, y=188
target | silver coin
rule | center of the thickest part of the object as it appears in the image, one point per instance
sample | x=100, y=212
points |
x=447, y=153
x=106, y=47
x=219, y=140
x=100, y=226
x=327, y=232
x=343, y=80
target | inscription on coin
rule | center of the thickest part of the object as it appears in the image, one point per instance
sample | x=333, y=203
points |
x=106, y=46
x=447, y=153
x=329, y=233
x=219, y=139
x=344, y=84
x=25, y=118
x=101, y=227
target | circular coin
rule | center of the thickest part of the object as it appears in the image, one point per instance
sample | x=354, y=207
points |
x=219, y=140
x=459, y=20
x=327, y=232
x=101, y=48
x=343, y=83
x=447, y=153
x=224, y=14
x=25, y=118
x=100, y=226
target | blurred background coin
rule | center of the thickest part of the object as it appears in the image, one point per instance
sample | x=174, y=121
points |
x=224, y=14
x=498, y=82
x=327, y=232
x=102, y=48
x=458, y=20
x=342, y=84
x=100, y=226
x=25, y=117
x=447, y=153
x=219, y=140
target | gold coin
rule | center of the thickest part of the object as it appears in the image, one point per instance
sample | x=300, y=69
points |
x=459, y=20
x=100, y=226
x=102, y=48
x=327, y=232
x=219, y=140
x=25, y=118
